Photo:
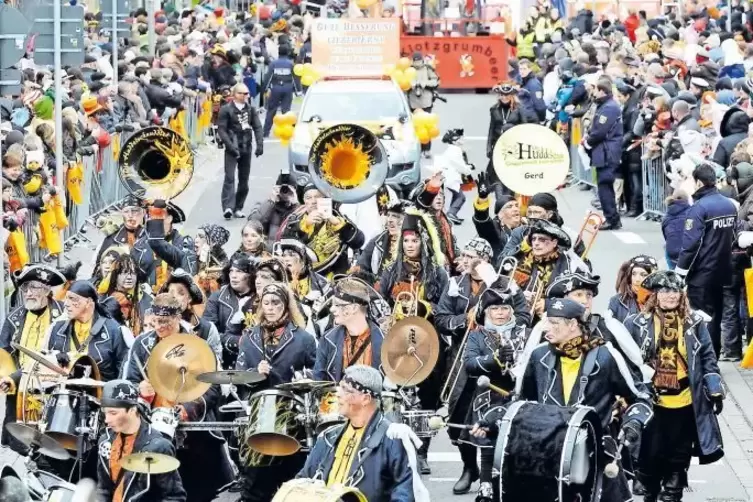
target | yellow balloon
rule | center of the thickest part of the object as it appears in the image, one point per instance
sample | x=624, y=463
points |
x=423, y=136
x=284, y=141
x=278, y=120
x=288, y=118
x=307, y=80
x=432, y=119
x=434, y=131
x=277, y=130
x=307, y=67
x=389, y=69
x=403, y=63
x=420, y=119
x=404, y=84
x=298, y=70
x=410, y=72
x=286, y=131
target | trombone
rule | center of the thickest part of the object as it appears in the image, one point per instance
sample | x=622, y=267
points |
x=457, y=365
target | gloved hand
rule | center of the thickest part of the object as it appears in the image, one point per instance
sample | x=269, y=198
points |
x=506, y=353
x=631, y=431
x=63, y=359
x=483, y=186
x=259, y=150
x=11, y=224
x=718, y=403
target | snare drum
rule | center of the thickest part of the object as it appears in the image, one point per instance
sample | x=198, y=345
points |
x=165, y=420
x=418, y=421
x=328, y=411
x=548, y=452
x=272, y=427
x=312, y=490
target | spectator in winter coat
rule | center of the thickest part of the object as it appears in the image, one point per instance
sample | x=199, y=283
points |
x=734, y=129
x=673, y=226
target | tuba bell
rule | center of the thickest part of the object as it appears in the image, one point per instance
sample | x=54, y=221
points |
x=156, y=163
x=348, y=163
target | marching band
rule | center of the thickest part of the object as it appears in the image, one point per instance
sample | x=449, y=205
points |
x=303, y=369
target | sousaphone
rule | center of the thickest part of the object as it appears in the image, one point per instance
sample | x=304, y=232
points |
x=156, y=163
x=348, y=163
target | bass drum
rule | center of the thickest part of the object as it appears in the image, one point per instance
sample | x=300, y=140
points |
x=312, y=490
x=546, y=453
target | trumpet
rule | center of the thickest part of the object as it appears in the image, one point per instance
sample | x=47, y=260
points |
x=507, y=268
x=406, y=303
x=537, y=290
x=588, y=231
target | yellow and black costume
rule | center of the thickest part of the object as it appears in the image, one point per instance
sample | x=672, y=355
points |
x=688, y=387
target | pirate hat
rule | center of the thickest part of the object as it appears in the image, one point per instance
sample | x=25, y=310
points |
x=490, y=298
x=567, y=283
x=305, y=252
x=39, y=273
x=664, y=279
x=180, y=276
x=176, y=212
x=551, y=230
x=120, y=394
x=564, y=308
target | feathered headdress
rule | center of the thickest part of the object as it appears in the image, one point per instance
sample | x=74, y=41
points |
x=422, y=222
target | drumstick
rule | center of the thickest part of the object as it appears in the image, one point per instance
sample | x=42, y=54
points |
x=141, y=367
x=484, y=383
x=436, y=423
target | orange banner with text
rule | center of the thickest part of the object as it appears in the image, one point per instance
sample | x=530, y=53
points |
x=462, y=62
x=354, y=47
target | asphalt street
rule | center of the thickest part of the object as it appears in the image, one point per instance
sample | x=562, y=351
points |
x=201, y=202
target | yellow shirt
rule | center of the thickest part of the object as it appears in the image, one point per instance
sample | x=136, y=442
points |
x=570, y=369
x=344, y=455
x=32, y=336
x=684, y=398
x=81, y=332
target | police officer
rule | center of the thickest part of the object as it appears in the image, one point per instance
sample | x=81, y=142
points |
x=280, y=82
x=604, y=144
x=238, y=125
x=704, y=259
x=531, y=83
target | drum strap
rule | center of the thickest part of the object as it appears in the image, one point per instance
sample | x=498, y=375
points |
x=586, y=369
x=72, y=334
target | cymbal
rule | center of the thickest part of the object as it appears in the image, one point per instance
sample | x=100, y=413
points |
x=32, y=438
x=232, y=377
x=410, y=351
x=176, y=358
x=149, y=463
x=40, y=358
x=84, y=382
x=305, y=385
x=7, y=364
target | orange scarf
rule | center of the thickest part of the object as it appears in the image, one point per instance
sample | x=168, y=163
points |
x=352, y=347
x=120, y=448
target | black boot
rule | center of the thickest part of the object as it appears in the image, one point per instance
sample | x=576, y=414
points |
x=423, y=462
x=673, y=487
x=638, y=488
x=651, y=486
x=470, y=470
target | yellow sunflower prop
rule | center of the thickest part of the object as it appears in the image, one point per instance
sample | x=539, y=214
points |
x=345, y=164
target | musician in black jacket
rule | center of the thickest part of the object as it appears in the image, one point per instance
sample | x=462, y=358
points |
x=238, y=125
x=127, y=433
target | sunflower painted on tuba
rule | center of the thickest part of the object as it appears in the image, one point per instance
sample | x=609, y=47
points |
x=347, y=164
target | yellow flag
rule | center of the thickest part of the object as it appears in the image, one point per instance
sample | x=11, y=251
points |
x=50, y=233
x=18, y=255
x=61, y=220
x=115, y=146
x=75, y=182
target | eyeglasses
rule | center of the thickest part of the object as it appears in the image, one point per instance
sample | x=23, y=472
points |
x=541, y=238
x=33, y=287
x=162, y=321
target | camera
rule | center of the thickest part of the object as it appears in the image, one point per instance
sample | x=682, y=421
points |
x=286, y=190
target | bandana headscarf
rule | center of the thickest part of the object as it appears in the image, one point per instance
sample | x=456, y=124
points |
x=217, y=236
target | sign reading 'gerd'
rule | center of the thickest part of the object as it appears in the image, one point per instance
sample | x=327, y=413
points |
x=354, y=47
x=531, y=158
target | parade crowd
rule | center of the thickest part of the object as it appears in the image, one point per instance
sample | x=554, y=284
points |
x=299, y=313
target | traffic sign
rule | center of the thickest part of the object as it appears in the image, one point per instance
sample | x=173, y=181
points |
x=10, y=82
x=71, y=35
x=14, y=28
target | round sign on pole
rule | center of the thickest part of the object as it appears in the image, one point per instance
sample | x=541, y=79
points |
x=531, y=158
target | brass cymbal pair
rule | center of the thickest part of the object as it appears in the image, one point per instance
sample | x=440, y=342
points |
x=410, y=351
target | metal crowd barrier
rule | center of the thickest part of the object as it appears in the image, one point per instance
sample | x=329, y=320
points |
x=577, y=169
x=656, y=187
x=101, y=187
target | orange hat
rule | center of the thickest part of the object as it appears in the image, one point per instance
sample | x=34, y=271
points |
x=89, y=105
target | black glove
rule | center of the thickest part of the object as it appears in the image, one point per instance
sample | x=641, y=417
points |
x=492, y=430
x=63, y=359
x=631, y=431
x=259, y=150
x=718, y=403
x=506, y=354
x=159, y=204
x=483, y=186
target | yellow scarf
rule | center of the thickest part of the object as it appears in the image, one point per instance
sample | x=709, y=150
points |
x=32, y=336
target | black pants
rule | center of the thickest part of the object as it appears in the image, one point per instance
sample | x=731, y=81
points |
x=259, y=484
x=710, y=299
x=731, y=325
x=234, y=198
x=605, y=177
x=204, y=466
x=666, y=450
x=635, y=183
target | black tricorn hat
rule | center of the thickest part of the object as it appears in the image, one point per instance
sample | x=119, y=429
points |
x=180, y=276
x=40, y=273
x=120, y=394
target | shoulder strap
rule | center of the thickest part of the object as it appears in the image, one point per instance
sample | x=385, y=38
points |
x=586, y=369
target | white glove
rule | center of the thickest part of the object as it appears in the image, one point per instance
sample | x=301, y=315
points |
x=745, y=239
x=403, y=432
